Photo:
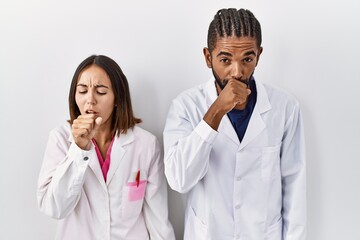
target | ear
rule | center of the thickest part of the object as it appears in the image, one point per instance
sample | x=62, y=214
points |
x=207, y=56
x=258, y=56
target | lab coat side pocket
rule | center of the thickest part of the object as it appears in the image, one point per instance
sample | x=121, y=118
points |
x=133, y=198
x=274, y=232
x=270, y=162
x=195, y=228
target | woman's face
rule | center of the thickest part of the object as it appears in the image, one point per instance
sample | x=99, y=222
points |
x=94, y=94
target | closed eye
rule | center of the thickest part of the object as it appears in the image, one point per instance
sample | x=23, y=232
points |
x=82, y=91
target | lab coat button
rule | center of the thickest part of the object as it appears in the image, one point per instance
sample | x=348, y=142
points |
x=85, y=158
x=238, y=178
x=237, y=206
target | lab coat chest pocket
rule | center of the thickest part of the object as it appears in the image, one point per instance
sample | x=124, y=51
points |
x=133, y=198
x=270, y=162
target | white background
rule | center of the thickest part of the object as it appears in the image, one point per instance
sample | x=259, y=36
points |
x=311, y=49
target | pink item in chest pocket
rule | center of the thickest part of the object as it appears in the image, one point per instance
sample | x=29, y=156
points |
x=136, y=190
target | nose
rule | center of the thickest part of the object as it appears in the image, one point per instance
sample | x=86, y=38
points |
x=90, y=98
x=237, y=71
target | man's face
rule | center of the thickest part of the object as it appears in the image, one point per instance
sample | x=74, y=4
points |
x=233, y=58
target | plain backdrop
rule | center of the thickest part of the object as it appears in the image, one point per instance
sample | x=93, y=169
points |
x=310, y=49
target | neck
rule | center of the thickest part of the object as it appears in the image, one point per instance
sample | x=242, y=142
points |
x=104, y=135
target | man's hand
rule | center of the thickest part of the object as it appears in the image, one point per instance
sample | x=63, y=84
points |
x=84, y=129
x=234, y=94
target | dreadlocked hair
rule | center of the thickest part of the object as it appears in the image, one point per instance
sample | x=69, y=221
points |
x=230, y=22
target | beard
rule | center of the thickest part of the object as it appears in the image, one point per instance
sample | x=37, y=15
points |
x=222, y=82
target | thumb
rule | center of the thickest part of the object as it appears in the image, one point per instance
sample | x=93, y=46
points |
x=98, y=122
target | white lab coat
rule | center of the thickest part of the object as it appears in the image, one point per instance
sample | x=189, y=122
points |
x=73, y=189
x=253, y=190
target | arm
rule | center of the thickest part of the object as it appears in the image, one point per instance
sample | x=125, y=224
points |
x=62, y=176
x=293, y=170
x=188, y=139
x=155, y=204
x=187, y=148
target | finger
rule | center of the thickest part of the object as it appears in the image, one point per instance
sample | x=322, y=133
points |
x=80, y=133
x=88, y=126
x=87, y=116
x=98, y=122
x=83, y=118
x=83, y=122
x=244, y=82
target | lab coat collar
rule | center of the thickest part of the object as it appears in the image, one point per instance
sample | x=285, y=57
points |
x=256, y=124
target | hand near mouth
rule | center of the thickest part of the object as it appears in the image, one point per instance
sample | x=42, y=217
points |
x=84, y=129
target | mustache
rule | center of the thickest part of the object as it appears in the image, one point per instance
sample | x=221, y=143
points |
x=222, y=83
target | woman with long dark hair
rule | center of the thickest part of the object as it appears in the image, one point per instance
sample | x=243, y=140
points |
x=102, y=175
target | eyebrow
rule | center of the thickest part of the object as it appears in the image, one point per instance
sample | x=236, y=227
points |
x=222, y=53
x=250, y=53
x=97, y=86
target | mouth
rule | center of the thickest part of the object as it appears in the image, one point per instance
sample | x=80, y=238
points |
x=91, y=112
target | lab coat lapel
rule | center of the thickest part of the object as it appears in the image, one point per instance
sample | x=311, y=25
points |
x=227, y=128
x=118, y=151
x=256, y=124
x=95, y=167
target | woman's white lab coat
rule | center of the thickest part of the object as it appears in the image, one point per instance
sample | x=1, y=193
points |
x=253, y=190
x=71, y=187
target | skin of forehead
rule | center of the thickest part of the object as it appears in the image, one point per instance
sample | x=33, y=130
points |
x=235, y=42
x=94, y=75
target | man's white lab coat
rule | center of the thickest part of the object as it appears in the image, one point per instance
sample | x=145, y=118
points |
x=71, y=187
x=253, y=190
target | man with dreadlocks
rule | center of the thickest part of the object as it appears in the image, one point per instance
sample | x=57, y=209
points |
x=236, y=145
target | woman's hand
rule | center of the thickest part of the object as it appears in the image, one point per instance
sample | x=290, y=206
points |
x=84, y=129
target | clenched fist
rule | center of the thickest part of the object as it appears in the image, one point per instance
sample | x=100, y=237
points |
x=84, y=129
x=234, y=95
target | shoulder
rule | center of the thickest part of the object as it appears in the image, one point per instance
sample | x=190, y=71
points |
x=279, y=97
x=144, y=141
x=62, y=131
x=193, y=94
x=279, y=94
x=194, y=101
x=143, y=135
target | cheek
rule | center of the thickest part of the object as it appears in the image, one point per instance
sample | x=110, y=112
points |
x=79, y=102
x=221, y=72
x=109, y=105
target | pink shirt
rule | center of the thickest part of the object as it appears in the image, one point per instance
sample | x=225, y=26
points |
x=104, y=164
